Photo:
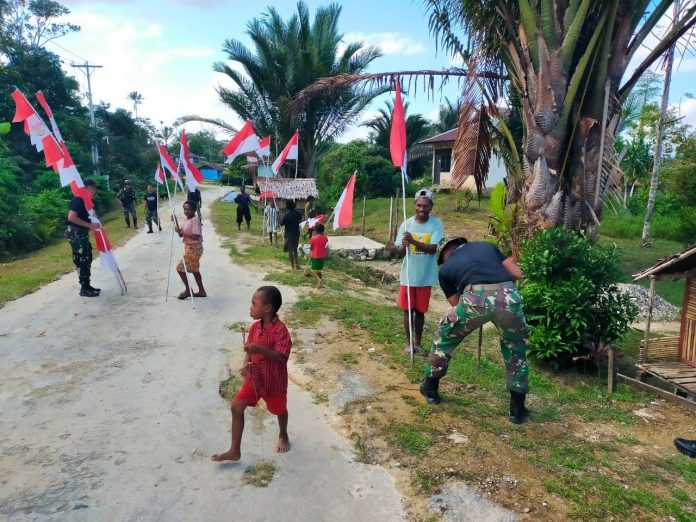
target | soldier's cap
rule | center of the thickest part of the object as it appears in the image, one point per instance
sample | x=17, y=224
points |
x=424, y=193
x=127, y=182
x=452, y=241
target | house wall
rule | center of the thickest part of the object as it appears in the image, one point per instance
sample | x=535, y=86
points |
x=210, y=174
x=496, y=173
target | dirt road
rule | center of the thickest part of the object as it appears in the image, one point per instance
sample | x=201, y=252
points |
x=109, y=407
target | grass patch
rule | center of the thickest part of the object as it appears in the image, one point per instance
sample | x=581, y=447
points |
x=681, y=466
x=28, y=273
x=413, y=439
x=229, y=387
x=259, y=474
x=345, y=359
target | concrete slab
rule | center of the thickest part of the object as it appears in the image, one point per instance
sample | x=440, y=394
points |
x=353, y=243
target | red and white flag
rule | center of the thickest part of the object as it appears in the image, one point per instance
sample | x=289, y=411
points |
x=168, y=163
x=252, y=159
x=343, y=213
x=193, y=175
x=159, y=175
x=264, y=150
x=39, y=134
x=397, y=138
x=289, y=152
x=245, y=140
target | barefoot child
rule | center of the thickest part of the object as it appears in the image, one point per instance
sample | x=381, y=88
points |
x=317, y=245
x=265, y=370
x=192, y=235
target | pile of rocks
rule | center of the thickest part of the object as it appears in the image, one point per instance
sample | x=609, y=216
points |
x=358, y=254
x=662, y=310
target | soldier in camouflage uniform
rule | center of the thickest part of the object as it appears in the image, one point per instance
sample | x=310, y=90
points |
x=79, y=225
x=477, y=280
x=127, y=197
x=151, y=209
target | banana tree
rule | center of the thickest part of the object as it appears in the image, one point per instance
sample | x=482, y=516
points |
x=561, y=67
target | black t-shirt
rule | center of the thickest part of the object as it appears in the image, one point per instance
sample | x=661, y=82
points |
x=77, y=205
x=472, y=264
x=151, y=200
x=242, y=200
x=127, y=196
x=291, y=221
x=195, y=196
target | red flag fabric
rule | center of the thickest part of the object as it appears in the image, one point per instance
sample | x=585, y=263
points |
x=168, y=163
x=245, y=140
x=37, y=130
x=49, y=113
x=102, y=240
x=193, y=175
x=159, y=175
x=264, y=147
x=23, y=108
x=343, y=213
x=84, y=193
x=397, y=138
x=289, y=152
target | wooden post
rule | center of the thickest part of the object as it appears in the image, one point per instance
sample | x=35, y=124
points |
x=611, y=369
x=396, y=215
x=362, y=228
x=651, y=303
x=391, y=207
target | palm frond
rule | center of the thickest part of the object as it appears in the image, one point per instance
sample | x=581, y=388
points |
x=212, y=121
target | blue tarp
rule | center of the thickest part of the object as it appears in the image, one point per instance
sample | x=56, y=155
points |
x=229, y=197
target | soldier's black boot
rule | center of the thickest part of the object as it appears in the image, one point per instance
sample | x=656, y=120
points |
x=687, y=447
x=149, y=230
x=94, y=289
x=518, y=412
x=86, y=291
x=429, y=390
x=135, y=222
x=127, y=220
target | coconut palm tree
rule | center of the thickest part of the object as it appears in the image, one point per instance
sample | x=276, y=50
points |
x=137, y=99
x=561, y=66
x=286, y=57
x=448, y=115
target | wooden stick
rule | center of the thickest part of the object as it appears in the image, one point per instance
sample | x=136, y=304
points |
x=362, y=230
x=391, y=209
x=658, y=391
x=651, y=304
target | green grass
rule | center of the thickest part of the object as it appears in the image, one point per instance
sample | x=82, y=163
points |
x=414, y=439
x=345, y=359
x=259, y=474
x=28, y=273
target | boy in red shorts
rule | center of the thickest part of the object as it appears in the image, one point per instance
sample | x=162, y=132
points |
x=265, y=370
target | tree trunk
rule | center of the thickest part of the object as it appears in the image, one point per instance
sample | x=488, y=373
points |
x=655, y=177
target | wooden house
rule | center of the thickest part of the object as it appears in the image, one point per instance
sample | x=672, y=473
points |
x=297, y=189
x=672, y=360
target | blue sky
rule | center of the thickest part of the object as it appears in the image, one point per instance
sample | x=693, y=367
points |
x=165, y=50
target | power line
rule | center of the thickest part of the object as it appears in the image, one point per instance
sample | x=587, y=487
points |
x=93, y=123
x=68, y=51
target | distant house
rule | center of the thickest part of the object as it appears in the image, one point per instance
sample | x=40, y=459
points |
x=443, y=162
x=210, y=170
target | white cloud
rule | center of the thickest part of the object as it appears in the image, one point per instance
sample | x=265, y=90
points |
x=389, y=43
x=687, y=110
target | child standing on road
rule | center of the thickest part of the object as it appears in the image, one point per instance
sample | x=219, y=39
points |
x=192, y=235
x=265, y=370
x=317, y=245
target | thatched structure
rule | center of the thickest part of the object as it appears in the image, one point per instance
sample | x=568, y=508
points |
x=289, y=188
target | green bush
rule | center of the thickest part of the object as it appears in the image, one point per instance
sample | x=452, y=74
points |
x=571, y=300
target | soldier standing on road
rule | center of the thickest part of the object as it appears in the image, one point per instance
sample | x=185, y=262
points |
x=477, y=280
x=151, y=209
x=127, y=197
x=79, y=225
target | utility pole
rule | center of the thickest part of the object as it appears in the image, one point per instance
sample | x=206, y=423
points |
x=93, y=123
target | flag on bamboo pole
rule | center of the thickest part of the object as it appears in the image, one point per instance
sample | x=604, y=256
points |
x=67, y=171
x=245, y=140
x=264, y=150
x=289, y=152
x=343, y=213
x=397, y=138
x=251, y=158
x=159, y=175
x=168, y=163
x=193, y=175
x=39, y=134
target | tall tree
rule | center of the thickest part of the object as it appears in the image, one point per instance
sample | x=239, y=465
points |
x=137, y=99
x=448, y=115
x=287, y=56
x=561, y=65
x=35, y=22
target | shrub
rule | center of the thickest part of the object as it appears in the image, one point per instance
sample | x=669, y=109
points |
x=571, y=299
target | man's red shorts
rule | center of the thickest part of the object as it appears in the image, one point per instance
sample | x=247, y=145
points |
x=420, y=298
x=276, y=405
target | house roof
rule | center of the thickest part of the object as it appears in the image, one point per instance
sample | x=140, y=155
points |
x=676, y=266
x=289, y=188
x=210, y=165
x=450, y=135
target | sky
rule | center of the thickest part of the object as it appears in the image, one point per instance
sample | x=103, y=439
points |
x=165, y=50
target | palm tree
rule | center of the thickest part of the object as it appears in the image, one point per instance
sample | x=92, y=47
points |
x=448, y=115
x=137, y=99
x=561, y=65
x=286, y=57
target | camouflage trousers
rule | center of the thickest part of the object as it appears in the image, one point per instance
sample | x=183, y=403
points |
x=150, y=217
x=129, y=210
x=503, y=307
x=81, y=253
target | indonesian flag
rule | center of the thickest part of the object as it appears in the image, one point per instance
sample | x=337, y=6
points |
x=311, y=222
x=86, y=195
x=264, y=150
x=168, y=163
x=106, y=256
x=343, y=213
x=252, y=159
x=245, y=140
x=193, y=175
x=289, y=152
x=67, y=171
x=39, y=134
x=159, y=175
x=397, y=138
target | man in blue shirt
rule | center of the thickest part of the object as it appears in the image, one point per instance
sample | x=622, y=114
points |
x=421, y=235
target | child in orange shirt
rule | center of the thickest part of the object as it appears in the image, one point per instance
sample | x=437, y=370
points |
x=317, y=245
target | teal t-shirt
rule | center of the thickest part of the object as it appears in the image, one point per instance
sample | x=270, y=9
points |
x=422, y=267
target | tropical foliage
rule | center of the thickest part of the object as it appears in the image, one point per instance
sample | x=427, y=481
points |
x=286, y=57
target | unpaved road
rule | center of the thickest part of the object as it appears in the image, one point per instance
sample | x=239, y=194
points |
x=109, y=407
